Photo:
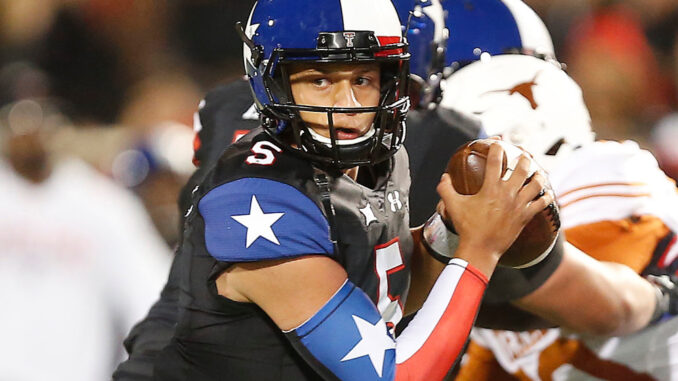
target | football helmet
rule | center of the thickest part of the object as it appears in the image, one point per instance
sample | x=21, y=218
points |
x=282, y=32
x=423, y=23
x=493, y=27
x=527, y=101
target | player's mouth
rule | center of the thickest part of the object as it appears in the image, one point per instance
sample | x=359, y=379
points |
x=348, y=133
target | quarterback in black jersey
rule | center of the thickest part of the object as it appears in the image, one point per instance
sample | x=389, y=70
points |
x=225, y=114
x=296, y=254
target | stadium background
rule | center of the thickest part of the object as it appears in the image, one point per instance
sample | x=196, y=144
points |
x=126, y=77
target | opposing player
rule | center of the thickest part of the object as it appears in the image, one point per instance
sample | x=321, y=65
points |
x=295, y=261
x=547, y=294
x=616, y=206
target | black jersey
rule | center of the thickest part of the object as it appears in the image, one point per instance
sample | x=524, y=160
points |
x=261, y=202
x=432, y=137
x=226, y=114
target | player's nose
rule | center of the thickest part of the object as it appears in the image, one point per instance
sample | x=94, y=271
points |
x=344, y=96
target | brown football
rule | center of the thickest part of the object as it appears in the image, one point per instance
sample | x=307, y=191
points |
x=467, y=170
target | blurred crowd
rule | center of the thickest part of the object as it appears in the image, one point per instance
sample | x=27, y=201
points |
x=99, y=95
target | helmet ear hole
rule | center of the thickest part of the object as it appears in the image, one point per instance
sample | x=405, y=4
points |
x=554, y=148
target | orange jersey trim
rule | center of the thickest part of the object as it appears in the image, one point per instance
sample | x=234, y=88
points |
x=565, y=205
x=631, y=241
x=600, y=186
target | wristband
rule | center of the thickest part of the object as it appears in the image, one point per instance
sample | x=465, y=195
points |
x=440, y=242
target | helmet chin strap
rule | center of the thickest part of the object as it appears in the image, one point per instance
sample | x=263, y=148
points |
x=345, y=142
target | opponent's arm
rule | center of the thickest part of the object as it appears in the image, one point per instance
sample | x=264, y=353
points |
x=589, y=296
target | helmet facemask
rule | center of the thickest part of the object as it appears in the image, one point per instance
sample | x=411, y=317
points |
x=281, y=115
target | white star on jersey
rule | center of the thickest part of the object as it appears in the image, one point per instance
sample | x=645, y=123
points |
x=368, y=213
x=374, y=342
x=258, y=223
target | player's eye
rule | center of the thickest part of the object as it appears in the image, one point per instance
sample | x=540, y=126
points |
x=321, y=82
x=363, y=81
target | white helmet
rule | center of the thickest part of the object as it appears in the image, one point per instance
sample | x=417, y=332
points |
x=528, y=101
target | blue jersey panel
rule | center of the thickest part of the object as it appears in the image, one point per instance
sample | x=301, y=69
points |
x=254, y=219
x=349, y=337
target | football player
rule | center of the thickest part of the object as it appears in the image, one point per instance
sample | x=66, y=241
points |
x=616, y=206
x=430, y=143
x=296, y=256
x=228, y=113
x=537, y=297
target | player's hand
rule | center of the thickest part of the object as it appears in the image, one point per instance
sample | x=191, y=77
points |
x=490, y=220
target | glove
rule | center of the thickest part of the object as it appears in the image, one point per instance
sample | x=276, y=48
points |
x=667, y=296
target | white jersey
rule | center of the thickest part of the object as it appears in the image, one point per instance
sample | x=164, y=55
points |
x=80, y=263
x=616, y=205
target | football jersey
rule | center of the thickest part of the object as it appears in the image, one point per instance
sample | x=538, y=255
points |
x=227, y=113
x=616, y=205
x=261, y=202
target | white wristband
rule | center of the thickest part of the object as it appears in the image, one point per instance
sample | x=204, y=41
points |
x=440, y=241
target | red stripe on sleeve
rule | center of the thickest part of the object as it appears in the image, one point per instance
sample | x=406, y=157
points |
x=438, y=353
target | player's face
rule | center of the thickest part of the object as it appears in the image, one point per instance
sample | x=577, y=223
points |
x=337, y=85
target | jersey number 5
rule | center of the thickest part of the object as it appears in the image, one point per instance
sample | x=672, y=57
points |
x=388, y=260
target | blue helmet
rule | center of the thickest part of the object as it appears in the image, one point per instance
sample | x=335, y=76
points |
x=423, y=22
x=493, y=27
x=280, y=32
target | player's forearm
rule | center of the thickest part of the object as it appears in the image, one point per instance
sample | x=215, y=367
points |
x=425, y=350
x=426, y=268
x=634, y=300
x=592, y=297
x=425, y=272
x=435, y=338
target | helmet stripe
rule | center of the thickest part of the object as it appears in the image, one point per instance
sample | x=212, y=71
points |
x=379, y=16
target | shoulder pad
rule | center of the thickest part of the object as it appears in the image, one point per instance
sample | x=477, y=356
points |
x=253, y=219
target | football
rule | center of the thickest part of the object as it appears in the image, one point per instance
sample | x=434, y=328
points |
x=467, y=170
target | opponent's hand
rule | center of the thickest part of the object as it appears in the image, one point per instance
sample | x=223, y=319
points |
x=489, y=221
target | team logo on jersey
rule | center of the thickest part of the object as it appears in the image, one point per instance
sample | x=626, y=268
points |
x=394, y=199
x=524, y=89
x=368, y=214
x=258, y=223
